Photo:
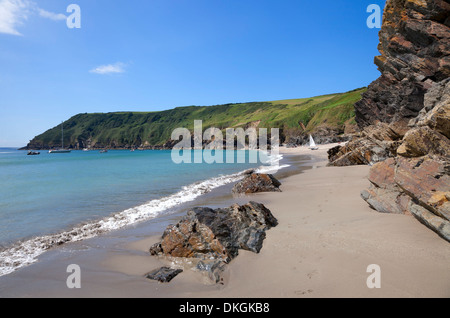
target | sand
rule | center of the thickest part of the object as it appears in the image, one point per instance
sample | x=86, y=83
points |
x=326, y=238
x=325, y=241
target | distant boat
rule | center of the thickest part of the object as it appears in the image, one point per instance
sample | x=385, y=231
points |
x=33, y=153
x=62, y=150
x=85, y=149
x=312, y=144
x=59, y=151
x=103, y=151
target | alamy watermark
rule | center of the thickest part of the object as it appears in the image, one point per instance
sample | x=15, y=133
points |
x=374, y=279
x=74, y=279
x=73, y=21
x=208, y=146
x=375, y=18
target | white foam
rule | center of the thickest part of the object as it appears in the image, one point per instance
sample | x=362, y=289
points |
x=26, y=253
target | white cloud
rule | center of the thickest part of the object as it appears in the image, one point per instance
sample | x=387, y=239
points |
x=12, y=14
x=52, y=16
x=109, y=69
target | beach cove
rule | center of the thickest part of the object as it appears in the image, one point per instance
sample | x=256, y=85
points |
x=326, y=238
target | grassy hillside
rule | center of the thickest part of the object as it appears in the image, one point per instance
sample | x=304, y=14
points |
x=145, y=129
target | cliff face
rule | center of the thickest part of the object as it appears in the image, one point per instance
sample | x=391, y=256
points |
x=415, y=54
x=417, y=180
x=405, y=116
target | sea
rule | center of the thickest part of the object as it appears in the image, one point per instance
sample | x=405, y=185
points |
x=52, y=199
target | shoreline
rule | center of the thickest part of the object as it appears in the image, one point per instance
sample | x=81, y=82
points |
x=24, y=252
x=215, y=197
x=326, y=237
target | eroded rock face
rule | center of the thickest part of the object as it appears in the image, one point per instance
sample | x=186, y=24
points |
x=374, y=144
x=418, y=186
x=257, y=182
x=427, y=181
x=385, y=195
x=417, y=180
x=415, y=54
x=409, y=106
x=415, y=70
x=209, y=234
x=422, y=141
x=436, y=110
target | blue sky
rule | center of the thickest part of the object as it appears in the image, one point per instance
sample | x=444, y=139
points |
x=148, y=55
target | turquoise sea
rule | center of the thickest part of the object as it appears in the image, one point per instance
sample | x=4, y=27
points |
x=51, y=199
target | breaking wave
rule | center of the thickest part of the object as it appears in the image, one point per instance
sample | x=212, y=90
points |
x=26, y=252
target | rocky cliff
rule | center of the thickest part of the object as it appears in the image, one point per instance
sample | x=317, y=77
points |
x=415, y=56
x=404, y=116
x=417, y=180
x=415, y=53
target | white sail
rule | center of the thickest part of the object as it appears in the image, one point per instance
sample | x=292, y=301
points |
x=312, y=144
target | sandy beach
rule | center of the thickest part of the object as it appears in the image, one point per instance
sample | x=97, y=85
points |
x=326, y=238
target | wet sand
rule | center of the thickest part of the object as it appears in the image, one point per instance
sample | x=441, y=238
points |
x=326, y=238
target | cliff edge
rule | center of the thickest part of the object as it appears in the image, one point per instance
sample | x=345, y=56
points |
x=404, y=116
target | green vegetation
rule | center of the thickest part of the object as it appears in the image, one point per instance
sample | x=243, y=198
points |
x=135, y=129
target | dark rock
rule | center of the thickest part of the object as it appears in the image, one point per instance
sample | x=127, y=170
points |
x=333, y=152
x=217, y=234
x=163, y=274
x=213, y=269
x=257, y=182
x=156, y=249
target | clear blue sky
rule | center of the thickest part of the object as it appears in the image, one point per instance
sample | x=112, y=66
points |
x=148, y=55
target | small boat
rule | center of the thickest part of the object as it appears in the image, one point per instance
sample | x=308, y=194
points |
x=62, y=150
x=85, y=149
x=59, y=151
x=33, y=153
x=103, y=151
x=312, y=144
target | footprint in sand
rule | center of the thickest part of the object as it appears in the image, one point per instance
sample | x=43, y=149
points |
x=312, y=274
x=303, y=292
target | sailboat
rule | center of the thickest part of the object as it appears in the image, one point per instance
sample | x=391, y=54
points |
x=312, y=144
x=62, y=150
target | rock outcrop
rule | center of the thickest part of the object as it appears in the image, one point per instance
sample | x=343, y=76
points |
x=405, y=116
x=215, y=237
x=416, y=186
x=164, y=274
x=373, y=144
x=257, y=182
x=415, y=54
x=415, y=59
x=417, y=180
